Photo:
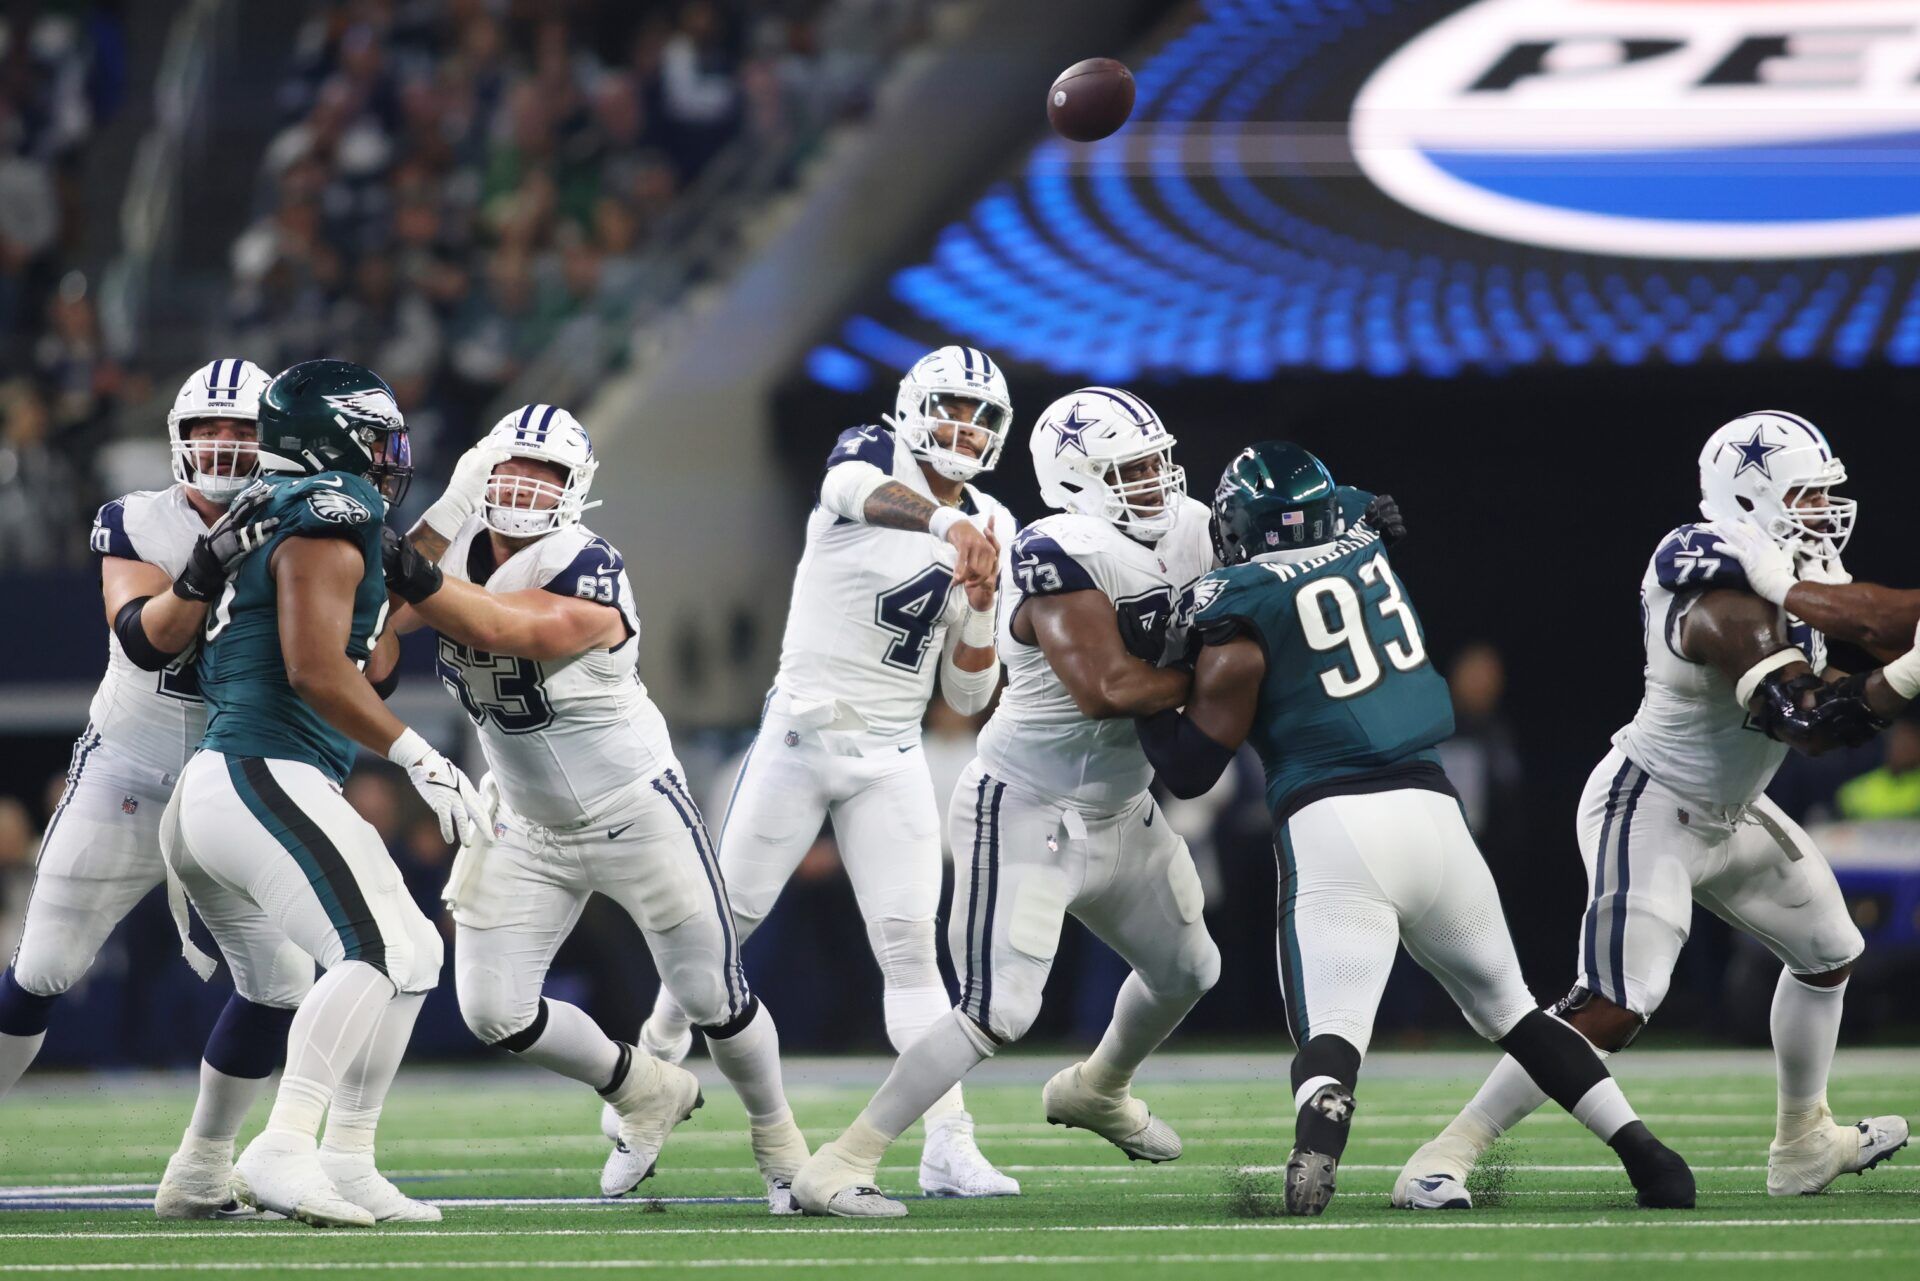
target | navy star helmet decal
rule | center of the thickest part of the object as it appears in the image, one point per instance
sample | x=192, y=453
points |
x=1073, y=430
x=1754, y=452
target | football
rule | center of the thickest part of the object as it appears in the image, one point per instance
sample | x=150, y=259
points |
x=1090, y=100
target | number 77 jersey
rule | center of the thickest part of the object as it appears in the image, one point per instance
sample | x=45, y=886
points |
x=1349, y=691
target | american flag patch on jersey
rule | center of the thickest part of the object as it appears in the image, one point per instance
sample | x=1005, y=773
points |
x=1293, y=518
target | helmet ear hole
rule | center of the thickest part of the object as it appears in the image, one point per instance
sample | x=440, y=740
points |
x=1746, y=504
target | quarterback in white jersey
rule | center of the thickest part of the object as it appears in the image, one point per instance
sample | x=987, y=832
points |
x=1676, y=813
x=538, y=637
x=896, y=584
x=1054, y=815
x=164, y=554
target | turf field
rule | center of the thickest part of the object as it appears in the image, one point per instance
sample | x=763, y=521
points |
x=513, y=1155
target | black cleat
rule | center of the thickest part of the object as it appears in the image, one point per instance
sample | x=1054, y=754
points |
x=1662, y=1180
x=1309, y=1182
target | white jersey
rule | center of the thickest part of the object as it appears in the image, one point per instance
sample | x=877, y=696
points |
x=1037, y=740
x=1691, y=734
x=152, y=720
x=565, y=740
x=872, y=607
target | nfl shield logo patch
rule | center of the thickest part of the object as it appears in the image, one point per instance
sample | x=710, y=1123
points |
x=129, y=805
x=1273, y=539
x=793, y=738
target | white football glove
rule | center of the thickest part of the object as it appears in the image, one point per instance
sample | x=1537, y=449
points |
x=441, y=785
x=1768, y=567
x=1822, y=570
x=463, y=493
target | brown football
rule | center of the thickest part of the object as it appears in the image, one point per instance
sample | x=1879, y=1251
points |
x=1090, y=99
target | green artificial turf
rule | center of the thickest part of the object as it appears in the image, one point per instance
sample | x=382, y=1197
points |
x=1563, y=1207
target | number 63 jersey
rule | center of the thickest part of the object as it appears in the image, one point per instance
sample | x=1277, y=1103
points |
x=565, y=739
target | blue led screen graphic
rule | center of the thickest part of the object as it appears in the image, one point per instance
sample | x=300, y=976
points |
x=1426, y=188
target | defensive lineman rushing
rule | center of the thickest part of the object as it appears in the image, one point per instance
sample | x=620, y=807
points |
x=1054, y=815
x=1308, y=648
x=873, y=616
x=101, y=854
x=538, y=636
x=1676, y=813
x=258, y=832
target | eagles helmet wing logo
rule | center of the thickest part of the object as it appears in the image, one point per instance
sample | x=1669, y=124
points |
x=340, y=508
x=374, y=403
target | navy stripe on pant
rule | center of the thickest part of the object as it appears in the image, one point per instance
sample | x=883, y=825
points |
x=669, y=786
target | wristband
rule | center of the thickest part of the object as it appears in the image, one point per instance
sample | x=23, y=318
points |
x=1747, y=684
x=943, y=519
x=976, y=629
x=408, y=749
x=1902, y=675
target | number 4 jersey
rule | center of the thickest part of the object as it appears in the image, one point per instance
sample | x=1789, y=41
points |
x=566, y=738
x=1350, y=701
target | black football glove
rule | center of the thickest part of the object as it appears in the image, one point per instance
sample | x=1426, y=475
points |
x=1383, y=515
x=219, y=551
x=1158, y=643
x=410, y=576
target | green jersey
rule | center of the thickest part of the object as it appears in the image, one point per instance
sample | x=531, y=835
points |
x=1349, y=698
x=252, y=709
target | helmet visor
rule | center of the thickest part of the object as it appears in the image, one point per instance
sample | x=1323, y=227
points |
x=392, y=468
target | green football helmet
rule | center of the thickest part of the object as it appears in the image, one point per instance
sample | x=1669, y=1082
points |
x=1274, y=496
x=334, y=415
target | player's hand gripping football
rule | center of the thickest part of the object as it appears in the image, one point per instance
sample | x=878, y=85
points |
x=1768, y=567
x=450, y=794
x=226, y=543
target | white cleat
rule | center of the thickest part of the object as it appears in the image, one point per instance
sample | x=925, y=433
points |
x=673, y=1051
x=952, y=1164
x=653, y=1099
x=831, y=1184
x=198, y=1183
x=1120, y=1119
x=1435, y=1177
x=1811, y=1162
x=779, y=1150
x=355, y=1178
x=281, y=1171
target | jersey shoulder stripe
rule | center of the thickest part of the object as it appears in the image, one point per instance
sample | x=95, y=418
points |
x=592, y=572
x=1042, y=566
x=109, y=536
x=1686, y=561
x=872, y=445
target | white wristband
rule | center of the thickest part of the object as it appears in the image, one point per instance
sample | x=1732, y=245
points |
x=1902, y=675
x=976, y=629
x=408, y=748
x=943, y=519
x=1744, y=688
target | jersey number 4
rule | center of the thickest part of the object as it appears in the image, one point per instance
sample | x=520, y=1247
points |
x=1333, y=617
x=909, y=611
x=500, y=687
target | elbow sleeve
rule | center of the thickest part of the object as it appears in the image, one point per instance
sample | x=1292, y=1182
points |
x=967, y=692
x=847, y=487
x=133, y=637
x=1186, y=760
x=385, y=686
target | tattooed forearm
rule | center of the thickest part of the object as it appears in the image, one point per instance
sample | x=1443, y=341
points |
x=894, y=506
x=428, y=543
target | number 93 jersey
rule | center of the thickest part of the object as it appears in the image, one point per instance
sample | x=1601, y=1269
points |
x=252, y=708
x=1690, y=732
x=1038, y=741
x=1349, y=690
x=565, y=739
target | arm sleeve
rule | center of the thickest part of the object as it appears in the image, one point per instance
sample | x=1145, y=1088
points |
x=144, y=654
x=1186, y=760
x=965, y=692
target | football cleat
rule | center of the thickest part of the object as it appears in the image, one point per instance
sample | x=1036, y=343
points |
x=1435, y=1177
x=1120, y=1119
x=281, y=1171
x=673, y=1051
x=198, y=1183
x=833, y=1184
x=355, y=1178
x=951, y=1163
x=1309, y=1182
x=1810, y=1162
x=1662, y=1180
x=653, y=1099
x=779, y=1150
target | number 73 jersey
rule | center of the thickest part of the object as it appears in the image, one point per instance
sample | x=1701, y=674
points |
x=1349, y=688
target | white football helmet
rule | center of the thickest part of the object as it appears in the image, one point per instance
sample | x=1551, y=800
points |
x=521, y=506
x=223, y=389
x=1079, y=446
x=926, y=403
x=1776, y=471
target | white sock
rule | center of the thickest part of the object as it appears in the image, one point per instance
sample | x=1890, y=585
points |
x=573, y=1045
x=1141, y=1021
x=332, y=1025
x=1508, y=1097
x=750, y=1059
x=223, y=1104
x=928, y=1069
x=1806, y=1028
x=910, y=1012
x=16, y=1055
x=1604, y=1109
x=668, y=1022
x=363, y=1087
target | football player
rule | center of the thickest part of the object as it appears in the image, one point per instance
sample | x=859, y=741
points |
x=1311, y=650
x=258, y=832
x=899, y=526
x=538, y=636
x=1676, y=813
x=1053, y=815
x=164, y=555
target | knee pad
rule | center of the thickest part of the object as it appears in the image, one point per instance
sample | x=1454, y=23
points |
x=1200, y=956
x=57, y=950
x=414, y=965
x=281, y=982
x=492, y=1006
x=1013, y=1008
x=904, y=950
x=701, y=991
